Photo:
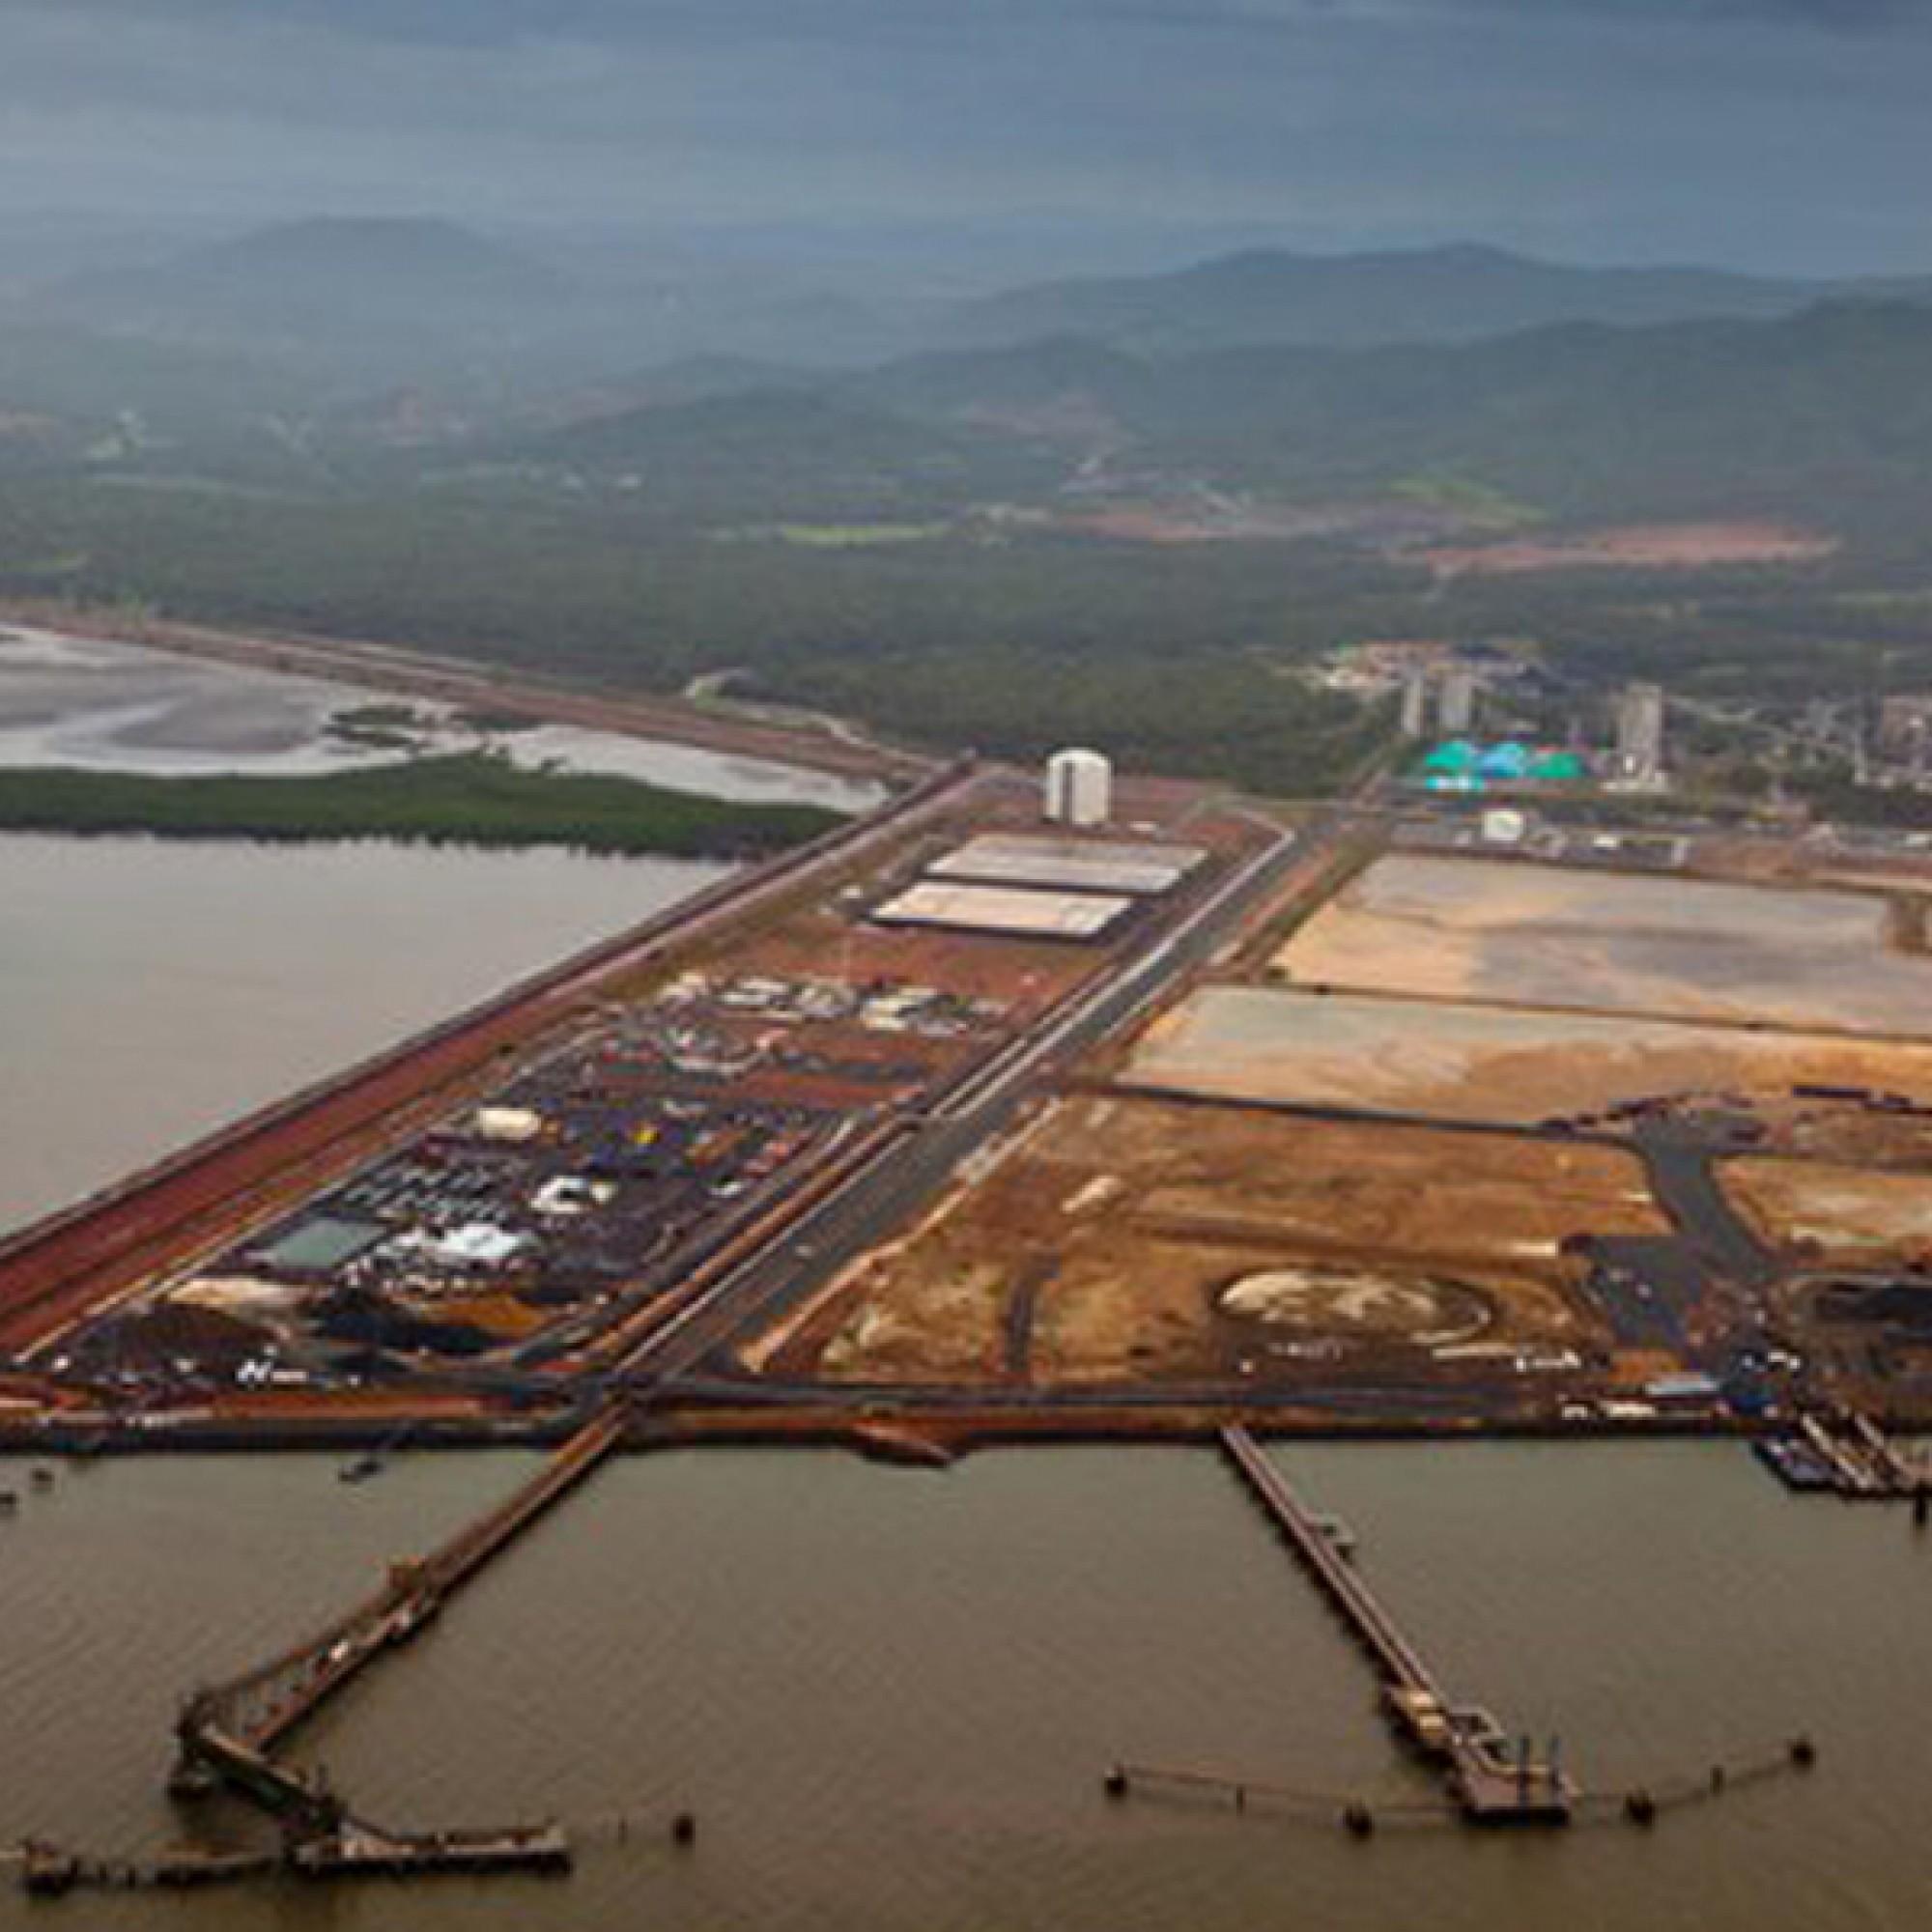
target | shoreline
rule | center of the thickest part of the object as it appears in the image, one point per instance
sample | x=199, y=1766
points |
x=462, y=799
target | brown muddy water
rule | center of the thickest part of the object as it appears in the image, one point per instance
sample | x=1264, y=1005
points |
x=151, y=989
x=889, y=1695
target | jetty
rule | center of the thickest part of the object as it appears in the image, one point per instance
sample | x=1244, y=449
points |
x=1491, y=1780
x=228, y=1735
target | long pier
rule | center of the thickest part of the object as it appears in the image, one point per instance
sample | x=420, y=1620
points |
x=258, y=1709
x=1490, y=1783
x=229, y=1734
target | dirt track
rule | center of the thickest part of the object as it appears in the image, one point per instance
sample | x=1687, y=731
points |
x=1844, y=1215
x=1467, y=1063
x=1132, y=1238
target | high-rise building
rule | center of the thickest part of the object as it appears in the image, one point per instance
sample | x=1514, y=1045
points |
x=1415, y=704
x=1641, y=733
x=1459, y=701
x=1079, y=787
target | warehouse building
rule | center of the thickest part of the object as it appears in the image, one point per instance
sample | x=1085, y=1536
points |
x=1012, y=912
x=1066, y=865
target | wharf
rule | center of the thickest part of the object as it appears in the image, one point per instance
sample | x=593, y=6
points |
x=359, y=1850
x=1491, y=1784
x=1848, y=1455
x=352, y=1849
x=48, y=1871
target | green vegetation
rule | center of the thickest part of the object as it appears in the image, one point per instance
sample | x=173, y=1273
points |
x=379, y=727
x=1480, y=503
x=474, y=799
x=1164, y=655
x=378, y=716
x=898, y=557
x=857, y=536
x=1838, y=796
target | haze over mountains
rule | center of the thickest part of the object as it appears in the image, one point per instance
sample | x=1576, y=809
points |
x=350, y=288
x=1432, y=295
x=1579, y=390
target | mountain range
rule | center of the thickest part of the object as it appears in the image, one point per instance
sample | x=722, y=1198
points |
x=1578, y=391
x=357, y=290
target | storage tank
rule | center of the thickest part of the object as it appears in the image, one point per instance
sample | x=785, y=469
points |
x=1079, y=787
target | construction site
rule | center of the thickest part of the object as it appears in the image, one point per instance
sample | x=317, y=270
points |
x=1185, y=1109
x=1139, y=1238
x=1457, y=1143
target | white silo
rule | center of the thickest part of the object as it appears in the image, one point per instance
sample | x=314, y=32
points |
x=1079, y=787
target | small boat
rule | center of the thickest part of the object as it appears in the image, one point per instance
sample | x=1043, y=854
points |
x=1795, y=1464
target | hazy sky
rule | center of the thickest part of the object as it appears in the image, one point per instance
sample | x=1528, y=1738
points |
x=1774, y=134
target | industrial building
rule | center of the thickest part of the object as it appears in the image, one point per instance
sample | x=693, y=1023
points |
x=1136, y=871
x=1014, y=912
x=1079, y=788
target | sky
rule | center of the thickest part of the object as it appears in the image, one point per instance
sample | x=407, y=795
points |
x=1782, y=135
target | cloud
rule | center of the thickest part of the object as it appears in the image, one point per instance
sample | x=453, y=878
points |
x=1736, y=129
x=483, y=23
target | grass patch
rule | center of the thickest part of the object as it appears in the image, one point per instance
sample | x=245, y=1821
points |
x=1465, y=496
x=857, y=536
x=471, y=799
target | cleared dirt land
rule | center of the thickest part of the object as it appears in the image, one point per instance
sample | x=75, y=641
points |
x=1486, y=1063
x=1134, y=1239
x=1705, y=545
x=1844, y=1215
x=1541, y=936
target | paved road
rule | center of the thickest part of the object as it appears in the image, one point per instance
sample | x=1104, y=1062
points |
x=912, y=1172
x=1680, y=1161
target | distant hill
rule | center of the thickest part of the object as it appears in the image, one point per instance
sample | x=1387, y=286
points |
x=779, y=451
x=424, y=350
x=1430, y=295
x=1794, y=413
x=1820, y=414
x=1789, y=412
x=68, y=392
x=1061, y=384
x=394, y=257
x=357, y=293
x=376, y=304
